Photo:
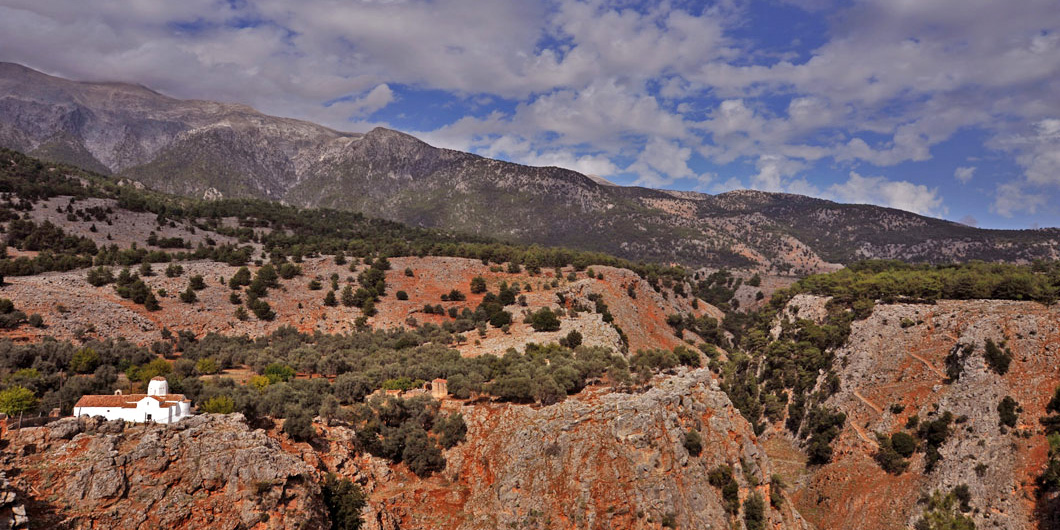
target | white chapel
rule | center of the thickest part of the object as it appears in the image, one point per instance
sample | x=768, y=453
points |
x=157, y=405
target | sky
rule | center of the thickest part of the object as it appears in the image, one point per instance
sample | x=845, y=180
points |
x=946, y=108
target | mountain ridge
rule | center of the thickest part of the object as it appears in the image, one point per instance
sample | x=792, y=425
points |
x=209, y=149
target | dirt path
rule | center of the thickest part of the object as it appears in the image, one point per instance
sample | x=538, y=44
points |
x=873, y=406
x=928, y=364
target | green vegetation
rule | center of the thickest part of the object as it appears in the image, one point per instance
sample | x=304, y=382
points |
x=722, y=478
x=16, y=400
x=344, y=501
x=693, y=442
x=1008, y=412
x=754, y=517
x=998, y=358
x=933, y=434
x=946, y=512
x=889, y=459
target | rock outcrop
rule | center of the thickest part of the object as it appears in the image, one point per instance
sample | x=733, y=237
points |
x=900, y=362
x=209, y=471
x=599, y=460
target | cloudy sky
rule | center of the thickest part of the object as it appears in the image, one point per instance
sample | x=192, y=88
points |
x=948, y=108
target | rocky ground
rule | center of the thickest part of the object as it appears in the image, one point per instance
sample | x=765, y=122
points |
x=890, y=372
x=600, y=460
x=72, y=308
x=209, y=471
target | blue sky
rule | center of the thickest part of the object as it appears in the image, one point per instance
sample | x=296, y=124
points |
x=947, y=108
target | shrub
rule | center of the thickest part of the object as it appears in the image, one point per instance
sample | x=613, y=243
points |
x=903, y=443
x=401, y=295
x=997, y=359
x=1007, y=411
x=219, y=405
x=693, y=442
x=478, y=285
x=887, y=457
x=722, y=478
x=197, y=282
x=188, y=296
x=934, y=435
x=544, y=320
x=299, y=425
x=99, y=276
x=344, y=501
x=572, y=340
x=754, y=517
x=174, y=270
x=451, y=430
x=17, y=400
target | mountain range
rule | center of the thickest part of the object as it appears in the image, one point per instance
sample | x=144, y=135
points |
x=214, y=150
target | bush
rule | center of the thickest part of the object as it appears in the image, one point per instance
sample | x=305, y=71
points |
x=174, y=270
x=219, y=405
x=99, y=276
x=754, y=517
x=722, y=478
x=572, y=340
x=17, y=400
x=344, y=501
x=451, y=430
x=188, y=296
x=997, y=359
x=544, y=320
x=299, y=425
x=693, y=442
x=1007, y=412
x=887, y=457
x=401, y=295
x=478, y=285
x=197, y=282
x=934, y=435
x=903, y=443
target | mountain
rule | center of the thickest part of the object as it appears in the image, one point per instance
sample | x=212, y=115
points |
x=209, y=149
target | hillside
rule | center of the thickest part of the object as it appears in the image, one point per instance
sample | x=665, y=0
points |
x=900, y=363
x=207, y=149
x=582, y=390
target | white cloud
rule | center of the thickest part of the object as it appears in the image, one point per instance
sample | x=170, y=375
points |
x=964, y=173
x=594, y=84
x=661, y=162
x=1011, y=198
x=899, y=194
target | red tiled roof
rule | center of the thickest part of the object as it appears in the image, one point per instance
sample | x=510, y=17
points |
x=127, y=401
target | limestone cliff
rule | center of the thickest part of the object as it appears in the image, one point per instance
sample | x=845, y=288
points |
x=209, y=471
x=598, y=460
x=901, y=362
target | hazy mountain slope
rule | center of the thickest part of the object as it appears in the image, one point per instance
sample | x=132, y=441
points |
x=212, y=149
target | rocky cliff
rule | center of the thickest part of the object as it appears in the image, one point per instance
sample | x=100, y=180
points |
x=209, y=471
x=925, y=360
x=598, y=460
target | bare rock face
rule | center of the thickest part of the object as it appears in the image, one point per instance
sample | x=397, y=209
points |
x=927, y=360
x=604, y=460
x=12, y=511
x=209, y=471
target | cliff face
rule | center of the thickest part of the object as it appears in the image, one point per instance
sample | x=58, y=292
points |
x=890, y=372
x=599, y=460
x=205, y=472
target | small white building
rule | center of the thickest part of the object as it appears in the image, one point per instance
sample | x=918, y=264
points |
x=157, y=405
